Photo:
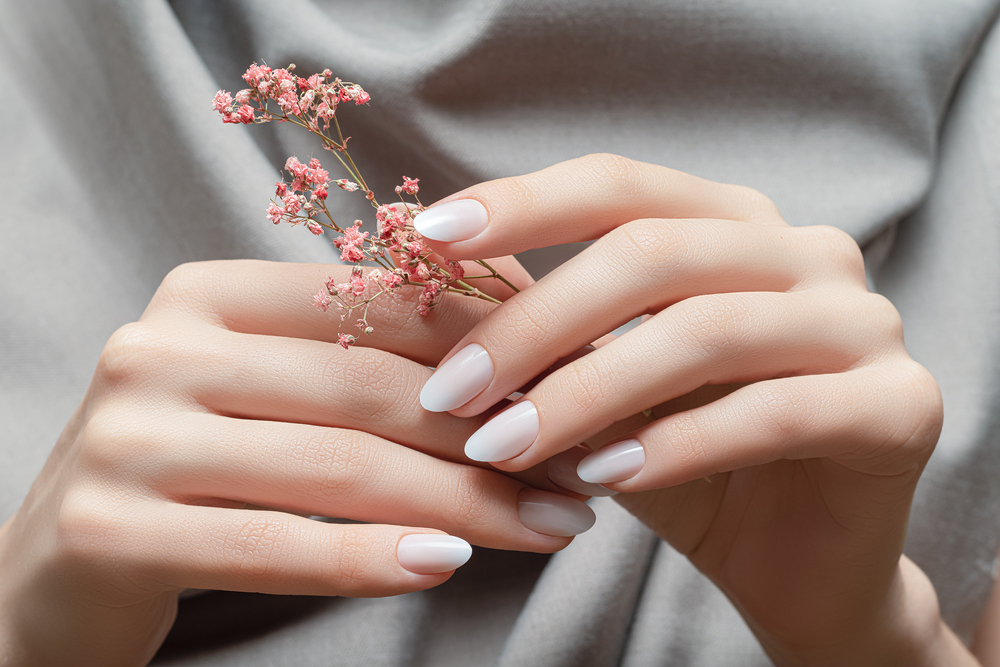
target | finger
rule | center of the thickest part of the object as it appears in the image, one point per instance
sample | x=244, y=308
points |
x=281, y=379
x=278, y=553
x=717, y=339
x=276, y=299
x=481, y=273
x=869, y=420
x=641, y=267
x=578, y=200
x=508, y=267
x=354, y=475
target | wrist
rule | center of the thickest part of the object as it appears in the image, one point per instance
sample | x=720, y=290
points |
x=907, y=629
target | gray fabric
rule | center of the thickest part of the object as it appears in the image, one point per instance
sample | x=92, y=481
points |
x=879, y=118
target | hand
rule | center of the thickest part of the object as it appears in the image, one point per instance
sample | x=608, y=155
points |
x=228, y=397
x=787, y=475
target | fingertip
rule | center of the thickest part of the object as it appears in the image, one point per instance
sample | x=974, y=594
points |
x=432, y=553
x=613, y=463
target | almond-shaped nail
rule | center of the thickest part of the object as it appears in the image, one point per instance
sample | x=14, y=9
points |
x=562, y=471
x=613, y=463
x=458, y=220
x=506, y=435
x=553, y=513
x=458, y=380
x=432, y=554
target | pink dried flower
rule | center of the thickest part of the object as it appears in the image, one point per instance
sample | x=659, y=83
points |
x=275, y=213
x=293, y=165
x=310, y=83
x=222, y=102
x=455, y=270
x=292, y=203
x=254, y=74
x=325, y=112
x=358, y=284
x=314, y=100
x=393, y=280
x=354, y=93
x=289, y=103
x=316, y=174
x=350, y=243
x=322, y=301
x=409, y=186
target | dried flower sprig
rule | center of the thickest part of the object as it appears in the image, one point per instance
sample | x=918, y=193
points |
x=311, y=103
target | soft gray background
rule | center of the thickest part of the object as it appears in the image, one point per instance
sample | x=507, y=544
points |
x=878, y=117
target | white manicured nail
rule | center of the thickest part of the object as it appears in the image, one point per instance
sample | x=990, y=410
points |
x=458, y=380
x=458, y=220
x=613, y=463
x=432, y=554
x=562, y=471
x=506, y=435
x=553, y=513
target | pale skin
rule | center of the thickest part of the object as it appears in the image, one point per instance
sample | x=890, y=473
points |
x=787, y=478
x=229, y=392
x=769, y=368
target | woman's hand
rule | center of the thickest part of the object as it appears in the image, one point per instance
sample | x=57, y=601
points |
x=787, y=476
x=229, y=396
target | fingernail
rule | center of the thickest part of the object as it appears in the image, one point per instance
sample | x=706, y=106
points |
x=432, y=554
x=457, y=220
x=553, y=513
x=457, y=381
x=506, y=435
x=613, y=463
x=562, y=471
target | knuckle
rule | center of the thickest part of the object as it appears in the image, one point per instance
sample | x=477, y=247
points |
x=86, y=530
x=755, y=204
x=468, y=507
x=108, y=441
x=657, y=243
x=922, y=414
x=839, y=248
x=187, y=287
x=533, y=319
x=885, y=317
x=254, y=547
x=353, y=554
x=780, y=410
x=715, y=326
x=523, y=192
x=585, y=390
x=336, y=464
x=371, y=380
x=688, y=441
x=130, y=354
x=618, y=175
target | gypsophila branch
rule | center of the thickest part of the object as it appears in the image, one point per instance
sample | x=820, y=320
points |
x=311, y=103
